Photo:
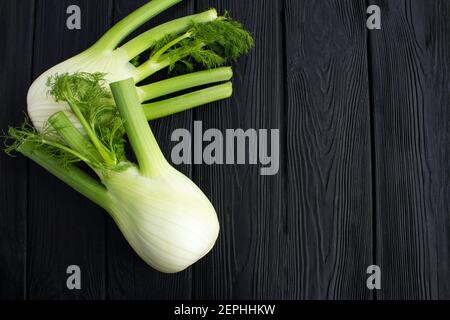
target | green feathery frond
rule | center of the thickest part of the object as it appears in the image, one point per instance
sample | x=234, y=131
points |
x=206, y=45
x=89, y=93
x=82, y=89
x=44, y=141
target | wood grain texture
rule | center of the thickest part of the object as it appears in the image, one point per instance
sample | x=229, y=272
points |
x=16, y=34
x=245, y=262
x=352, y=115
x=411, y=77
x=64, y=228
x=328, y=222
x=128, y=276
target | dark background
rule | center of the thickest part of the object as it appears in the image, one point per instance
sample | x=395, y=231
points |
x=364, y=178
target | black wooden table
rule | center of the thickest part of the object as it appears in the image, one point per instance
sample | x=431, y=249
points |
x=364, y=180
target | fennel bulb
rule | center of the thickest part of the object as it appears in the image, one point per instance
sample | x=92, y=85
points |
x=167, y=219
x=202, y=40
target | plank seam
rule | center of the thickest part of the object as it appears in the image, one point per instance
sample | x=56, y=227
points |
x=372, y=147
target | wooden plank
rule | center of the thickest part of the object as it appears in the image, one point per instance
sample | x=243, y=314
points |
x=411, y=77
x=245, y=263
x=328, y=179
x=128, y=276
x=64, y=228
x=16, y=30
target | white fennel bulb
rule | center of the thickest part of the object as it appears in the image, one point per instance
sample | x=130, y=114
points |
x=167, y=220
